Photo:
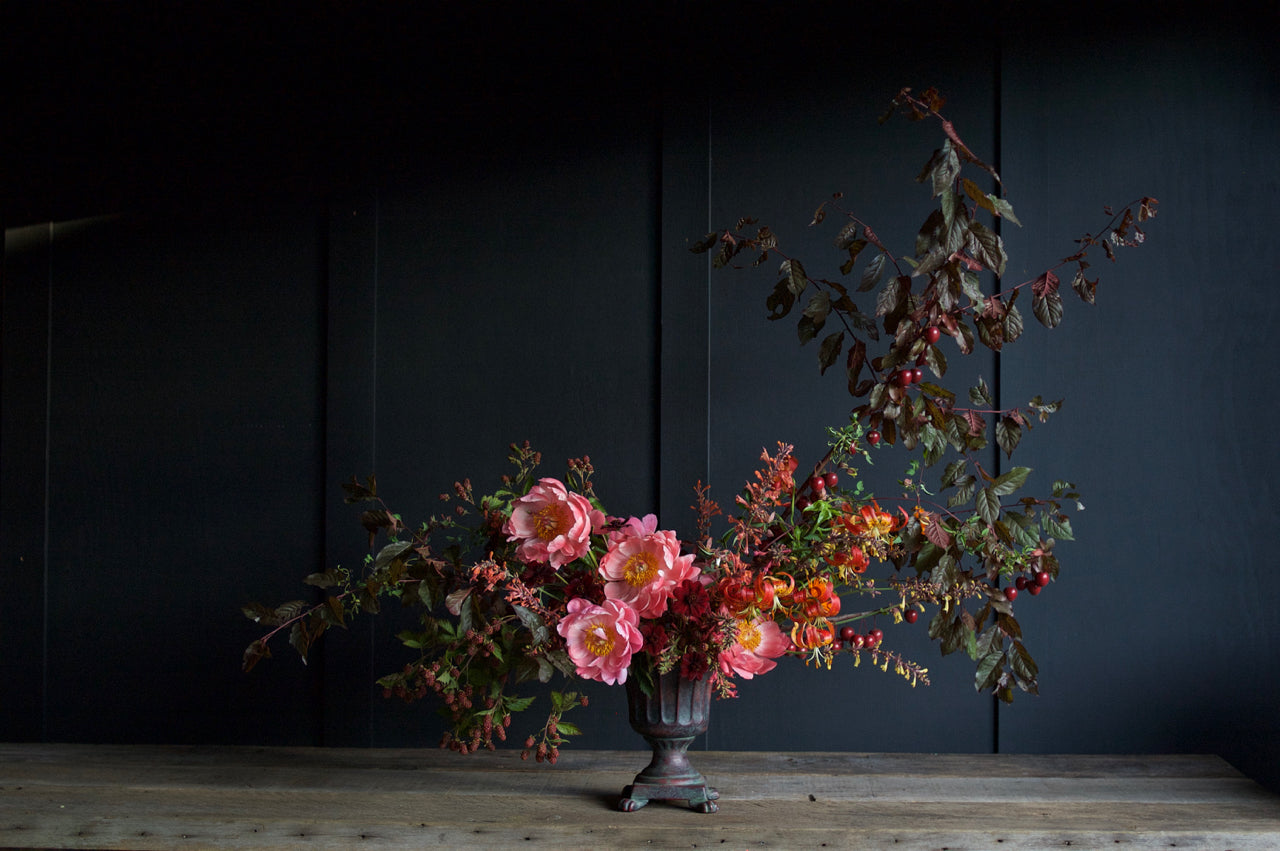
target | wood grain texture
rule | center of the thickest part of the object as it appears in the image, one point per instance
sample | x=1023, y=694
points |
x=111, y=797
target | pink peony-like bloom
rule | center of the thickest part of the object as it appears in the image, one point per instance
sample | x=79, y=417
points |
x=601, y=639
x=759, y=642
x=552, y=524
x=635, y=526
x=643, y=566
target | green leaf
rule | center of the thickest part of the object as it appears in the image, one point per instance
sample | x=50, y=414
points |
x=856, y=359
x=829, y=351
x=781, y=300
x=947, y=573
x=988, y=505
x=728, y=249
x=1086, y=289
x=1043, y=408
x=935, y=443
x=356, y=492
x=253, y=653
x=1023, y=528
x=566, y=728
x=872, y=273
x=988, y=670
x=986, y=247
x=991, y=641
x=890, y=297
x=942, y=169
x=333, y=613
x=980, y=394
x=1013, y=324
x=1048, y=309
x=290, y=610
x=1007, y=483
x=847, y=238
x=818, y=308
x=427, y=594
x=965, y=488
x=806, y=329
x=261, y=614
x=1024, y=667
x=391, y=552
x=996, y=206
x=1008, y=434
x=301, y=638
x=952, y=475
x=545, y=669
x=929, y=236
x=956, y=216
x=328, y=579
x=537, y=627
x=703, y=245
x=1058, y=526
x=793, y=273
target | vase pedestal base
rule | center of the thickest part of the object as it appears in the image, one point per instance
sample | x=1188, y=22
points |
x=669, y=777
x=700, y=797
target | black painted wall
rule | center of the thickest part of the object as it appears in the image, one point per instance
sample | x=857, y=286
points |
x=249, y=253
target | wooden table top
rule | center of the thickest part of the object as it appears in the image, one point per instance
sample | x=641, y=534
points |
x=177, y=797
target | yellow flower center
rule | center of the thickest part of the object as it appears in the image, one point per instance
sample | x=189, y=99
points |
x=749, y=636
x=551, y=521
x=879, y=525
x=640, y=569
x=598, y=639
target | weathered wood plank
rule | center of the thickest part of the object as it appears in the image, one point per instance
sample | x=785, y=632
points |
x=194, y=798
x=739, y=762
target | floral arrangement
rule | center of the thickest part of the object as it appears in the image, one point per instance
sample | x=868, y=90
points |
x=535, y=579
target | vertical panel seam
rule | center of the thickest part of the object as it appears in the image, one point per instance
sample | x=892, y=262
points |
x=48, y=464
x=997, y=98
x=373, y=425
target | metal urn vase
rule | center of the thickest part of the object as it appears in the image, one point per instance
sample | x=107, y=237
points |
x=669, y=719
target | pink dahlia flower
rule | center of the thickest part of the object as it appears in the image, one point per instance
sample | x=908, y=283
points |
x=552, y=524
x=601, y=639
x=643, y=566
x=759, y=642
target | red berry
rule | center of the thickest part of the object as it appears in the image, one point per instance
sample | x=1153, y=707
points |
x=847, y=633
x=932, y=334
x=1042, y=578
x=873, y=437
x=910, y=615
x=1011, y=594
x=876, y=635
x=1034, y=589
x=858, y=641
x=1020, y=582
x=802, y=502
x=903, y=377
x=831, y=479
x=917, y=375
x=818, y=485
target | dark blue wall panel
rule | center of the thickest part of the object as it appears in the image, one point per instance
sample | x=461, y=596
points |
x=1163, y=634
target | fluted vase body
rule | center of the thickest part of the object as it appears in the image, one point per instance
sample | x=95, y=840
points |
x=669, y=719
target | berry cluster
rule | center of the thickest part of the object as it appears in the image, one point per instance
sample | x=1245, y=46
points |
x=852, y=639
x=818, y=486
x=1032, y=585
